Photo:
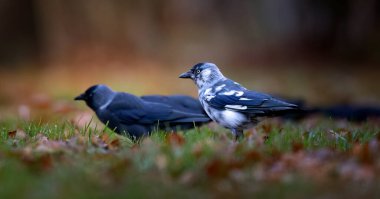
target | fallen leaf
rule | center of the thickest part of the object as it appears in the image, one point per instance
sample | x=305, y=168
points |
x=197, y=150
x=12, y=134
x=363, y=153
x=21, y=135
x=216, y=168
x=98, y=142
x=267, y=128
x=252, y=156
x=297, y=146
x=105, y=137
x=114, y=144
x=175, y=139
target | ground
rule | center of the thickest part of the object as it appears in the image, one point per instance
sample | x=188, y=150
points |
x=314, y=158
x=53, y=147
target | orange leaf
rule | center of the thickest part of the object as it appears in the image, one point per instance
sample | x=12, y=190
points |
x=252, y=156
x=174, y=138
x=296, y=146
x=12, y=134
x=104, y=137
x=115, y=144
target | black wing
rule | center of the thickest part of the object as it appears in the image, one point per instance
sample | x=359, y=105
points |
x=130, y=109
x=246, y=101
x=179, y=102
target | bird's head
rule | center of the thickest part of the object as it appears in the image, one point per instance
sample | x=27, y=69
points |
x=204, y=74
x=96, y=96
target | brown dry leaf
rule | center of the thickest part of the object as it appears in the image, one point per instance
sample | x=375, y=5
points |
x=21, y=135
x=77, y=143
x=197, y=150
x=363, y=153
x=98, y=142
x=114, y=144
x=105, y=137
x=81, y=140
x=234, y=164
x=218, y=168
x=48, y=146
x=39, y=163
x=292, y=159
x=43, y=148
x=252, y=156
x=175, y=139
x=297, y=146
x=267, y=128
x=42, y=139
x=46, y=162
x=12, y=134
x=276, y=154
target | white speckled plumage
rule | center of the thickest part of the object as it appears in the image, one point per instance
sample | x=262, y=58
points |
x=230, y=104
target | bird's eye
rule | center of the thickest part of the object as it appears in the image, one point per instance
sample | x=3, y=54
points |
x=198, y=71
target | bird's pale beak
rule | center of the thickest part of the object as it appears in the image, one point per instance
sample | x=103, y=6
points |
x=80, y=97
x=186, y=75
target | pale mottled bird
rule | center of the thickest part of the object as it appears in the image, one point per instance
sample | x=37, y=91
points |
x=230, y=104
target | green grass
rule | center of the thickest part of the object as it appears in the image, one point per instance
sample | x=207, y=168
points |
x=314, y=158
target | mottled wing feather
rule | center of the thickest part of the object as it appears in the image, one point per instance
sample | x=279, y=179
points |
x=247, y=101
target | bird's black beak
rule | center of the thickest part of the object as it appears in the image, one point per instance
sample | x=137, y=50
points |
x=80, y=97
x=186, y=75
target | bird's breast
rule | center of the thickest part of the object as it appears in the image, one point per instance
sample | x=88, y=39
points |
x=226, y=118
x=232, y=119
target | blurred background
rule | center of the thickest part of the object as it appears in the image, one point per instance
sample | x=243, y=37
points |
x=322, y=51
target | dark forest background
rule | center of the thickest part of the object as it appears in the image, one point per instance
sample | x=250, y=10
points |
x=322, y=51
x=180, y=31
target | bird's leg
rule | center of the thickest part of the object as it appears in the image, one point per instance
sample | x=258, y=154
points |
x=238, y=133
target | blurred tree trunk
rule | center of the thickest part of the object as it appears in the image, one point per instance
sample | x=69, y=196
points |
x=18, y=31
